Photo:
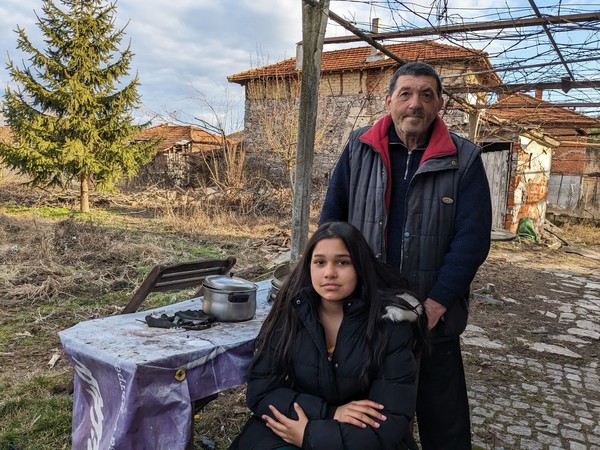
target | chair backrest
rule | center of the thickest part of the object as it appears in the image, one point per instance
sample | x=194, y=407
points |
x=177, y=277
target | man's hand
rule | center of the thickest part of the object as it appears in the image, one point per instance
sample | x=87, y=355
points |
x=291, y=431
x=434, y=312
x=360, y=413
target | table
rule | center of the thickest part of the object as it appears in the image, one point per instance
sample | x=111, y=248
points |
x=134, y=385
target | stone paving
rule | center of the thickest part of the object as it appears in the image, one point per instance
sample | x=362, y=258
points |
x=540, y=389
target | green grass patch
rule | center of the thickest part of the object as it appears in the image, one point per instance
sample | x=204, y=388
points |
x=39, y=407
x=51, y=424
x=53, y=211
x=16, y=209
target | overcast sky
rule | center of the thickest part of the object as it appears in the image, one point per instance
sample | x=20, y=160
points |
x=185, y=49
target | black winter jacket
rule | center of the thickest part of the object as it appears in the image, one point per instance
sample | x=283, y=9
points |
x=319, y=384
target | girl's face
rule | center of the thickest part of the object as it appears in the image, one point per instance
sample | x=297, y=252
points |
x=331, y=270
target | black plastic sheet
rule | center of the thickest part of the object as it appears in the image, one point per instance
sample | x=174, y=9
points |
x=189, y=320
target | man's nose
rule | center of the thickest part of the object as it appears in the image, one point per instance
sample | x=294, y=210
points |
x=414, y=101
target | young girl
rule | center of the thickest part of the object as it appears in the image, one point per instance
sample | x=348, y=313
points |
x=334, y=365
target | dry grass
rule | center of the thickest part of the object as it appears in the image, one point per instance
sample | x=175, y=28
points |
x=58, y=267
x=581, y=235
x=222, y=419
x=234, y=211
x=43, y=259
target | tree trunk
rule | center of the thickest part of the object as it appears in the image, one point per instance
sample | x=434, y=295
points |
x=84, y=198
x=314, y=23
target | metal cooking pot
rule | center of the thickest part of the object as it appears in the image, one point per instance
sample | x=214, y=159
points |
x=228, y=298
x=279, y=276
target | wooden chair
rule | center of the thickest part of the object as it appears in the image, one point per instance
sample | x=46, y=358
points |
x=177, y=277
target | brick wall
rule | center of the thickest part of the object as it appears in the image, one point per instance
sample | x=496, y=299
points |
x=528, y=191
x=569, y=159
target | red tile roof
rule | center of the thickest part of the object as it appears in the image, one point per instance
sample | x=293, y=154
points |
x=527, y=110
x=356, y=59
x=172, y=135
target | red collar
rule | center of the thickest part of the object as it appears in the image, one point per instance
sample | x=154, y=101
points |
x=440, y=143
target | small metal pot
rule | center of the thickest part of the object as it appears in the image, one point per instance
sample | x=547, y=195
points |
x=228, y=298
x=279, y=276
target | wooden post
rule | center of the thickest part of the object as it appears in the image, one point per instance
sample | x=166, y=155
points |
x=314, y=23
x=84, y=194
x=473, y=125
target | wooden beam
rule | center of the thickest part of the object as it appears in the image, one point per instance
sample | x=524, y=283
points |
x=314, y=24
x=468, y=27
x=359, y=35
x=523, y=87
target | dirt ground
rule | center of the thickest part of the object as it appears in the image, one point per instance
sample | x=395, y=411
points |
x=526, y=271
x=521, y=270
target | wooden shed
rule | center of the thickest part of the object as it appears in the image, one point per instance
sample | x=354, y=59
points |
x=182, y=156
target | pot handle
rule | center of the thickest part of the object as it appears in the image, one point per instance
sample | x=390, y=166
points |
x=238, y=298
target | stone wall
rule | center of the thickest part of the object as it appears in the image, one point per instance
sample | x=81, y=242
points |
x=347, y=101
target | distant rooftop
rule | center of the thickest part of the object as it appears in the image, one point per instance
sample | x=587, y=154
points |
x=174, y=135
x=527, y=110
x=356, y=58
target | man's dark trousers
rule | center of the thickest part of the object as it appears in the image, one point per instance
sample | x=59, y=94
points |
x=442, y=402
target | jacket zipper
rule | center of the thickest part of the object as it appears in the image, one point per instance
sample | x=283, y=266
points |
x=405, y=206
x=407, y=163
x=333, y=365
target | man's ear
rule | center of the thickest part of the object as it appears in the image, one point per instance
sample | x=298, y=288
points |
x=388, y=100
x=441, y=103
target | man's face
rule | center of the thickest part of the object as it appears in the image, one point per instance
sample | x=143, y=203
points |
x=414, y=105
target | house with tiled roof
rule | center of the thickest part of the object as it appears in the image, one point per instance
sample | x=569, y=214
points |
x=574, y=174
x=517, y=153
x=363, y=58
x=353, y=85
x=352, y=90
x=183, y=152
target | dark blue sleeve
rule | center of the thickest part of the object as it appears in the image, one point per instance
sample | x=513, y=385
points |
x=335, y=206
x=472, y=237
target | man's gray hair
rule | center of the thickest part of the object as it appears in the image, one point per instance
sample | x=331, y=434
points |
x=417, y=69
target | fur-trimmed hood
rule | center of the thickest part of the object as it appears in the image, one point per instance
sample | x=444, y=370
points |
x=397, y=313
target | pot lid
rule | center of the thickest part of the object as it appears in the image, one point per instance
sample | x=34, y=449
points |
x=228, y=283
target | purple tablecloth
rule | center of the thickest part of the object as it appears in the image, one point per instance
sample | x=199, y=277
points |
x=134, y=384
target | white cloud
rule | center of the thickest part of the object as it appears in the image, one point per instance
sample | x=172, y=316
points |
x=186, y=47
x=181, y=47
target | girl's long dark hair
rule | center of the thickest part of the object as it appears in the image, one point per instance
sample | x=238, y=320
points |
x=282, y=323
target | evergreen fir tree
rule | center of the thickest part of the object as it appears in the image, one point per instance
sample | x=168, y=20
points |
x=70, y=113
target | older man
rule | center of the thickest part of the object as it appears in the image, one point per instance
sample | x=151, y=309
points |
x=420, y=196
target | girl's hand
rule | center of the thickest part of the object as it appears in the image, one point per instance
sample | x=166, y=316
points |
x=360, y=413
x=291, y=431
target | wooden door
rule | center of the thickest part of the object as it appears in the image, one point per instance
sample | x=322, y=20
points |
x=496, y=160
